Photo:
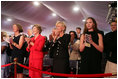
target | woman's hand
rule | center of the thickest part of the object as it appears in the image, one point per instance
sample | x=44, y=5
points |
x=28, y=40
x=11, y=40
x=90, y=39
x=53, y=35
x=56, y=35
x=31, y=43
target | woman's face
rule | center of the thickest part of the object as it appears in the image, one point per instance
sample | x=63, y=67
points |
x=89, y=24
x=59, y=27
x=29, y=32
x=72, y=35
x=35, y=31
x=15, y=28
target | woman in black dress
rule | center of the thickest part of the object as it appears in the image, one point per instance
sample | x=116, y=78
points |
x=91, y=48
x=59, y=49
x=16, y=44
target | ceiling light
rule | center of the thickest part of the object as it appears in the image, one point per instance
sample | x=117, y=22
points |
x=31, y=25
x=36, y=3
x=76, y=9
x=83, y=20
x=9, y=19
x=53, y=14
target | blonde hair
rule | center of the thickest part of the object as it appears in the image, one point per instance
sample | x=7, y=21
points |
x=63, y=24
x=3, y=34
x=38, y=27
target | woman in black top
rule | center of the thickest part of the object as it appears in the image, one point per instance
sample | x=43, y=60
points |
x=59, y=49
x=16, y=44
x=91, y=48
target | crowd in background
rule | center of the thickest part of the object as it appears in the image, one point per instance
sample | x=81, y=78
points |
x=86, y=49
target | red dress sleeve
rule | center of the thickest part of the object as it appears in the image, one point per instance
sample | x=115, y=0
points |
x=29, y=49
x=39, y=44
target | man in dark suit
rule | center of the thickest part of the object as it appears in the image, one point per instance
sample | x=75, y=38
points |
x=110, y=44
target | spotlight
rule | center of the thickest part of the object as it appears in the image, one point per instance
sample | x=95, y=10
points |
x=53, y=14
x=9, y=19
x=83, y=20
x=75, y=9
x=36, y=3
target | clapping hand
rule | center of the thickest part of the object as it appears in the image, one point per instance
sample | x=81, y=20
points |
x=90, y=39
x=28, y=40
x=11, y=40
x=56, y=35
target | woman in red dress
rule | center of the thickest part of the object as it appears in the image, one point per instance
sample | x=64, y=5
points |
x=35, y=46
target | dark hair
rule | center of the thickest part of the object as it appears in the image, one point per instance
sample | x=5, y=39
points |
x=78, y=28
x=19, y=27
x=74, y=33
x=112, y=22
x=38, y=27
x=46, y=38
x=94, y=28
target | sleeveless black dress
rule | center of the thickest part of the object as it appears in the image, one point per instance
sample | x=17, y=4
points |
x=17, y=53
x=91, y=58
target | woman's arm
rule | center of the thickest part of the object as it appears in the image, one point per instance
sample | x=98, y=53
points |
x=100, y=46
x=10, y=46
x=3, y=48
x=21, y=42
x=82, y=45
